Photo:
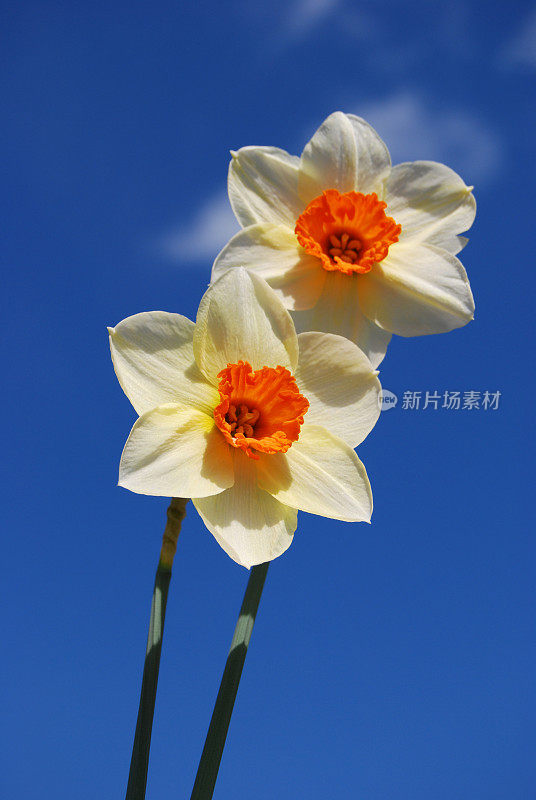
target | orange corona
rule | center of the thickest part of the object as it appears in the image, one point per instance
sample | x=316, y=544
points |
x=348, y=232
x=260, y=410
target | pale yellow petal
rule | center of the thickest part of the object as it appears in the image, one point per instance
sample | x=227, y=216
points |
x=345, y=154
x=273, y=252
x=241, y=318
x=373, y=159
x=247, y=522
x=153, y=358
x=263, y=186
x=417, y=290
x=431, y=203
x=340, y=384
x=176, y=451
x=338, y=311
x=320, y=474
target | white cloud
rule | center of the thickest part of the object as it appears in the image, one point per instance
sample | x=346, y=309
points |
x=305, y=15
x=208, y=230
x=414, y=130
x=521, y=49
x=285, y=23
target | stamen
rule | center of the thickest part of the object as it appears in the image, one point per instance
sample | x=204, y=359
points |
x=252, y=417
x=346, y=248
x=245, y=422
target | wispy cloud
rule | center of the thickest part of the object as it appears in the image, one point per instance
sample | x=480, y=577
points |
x=204, y=235
x=413, y=129
x=520, y=51
x=286, y=23
x=290, y=22
x=303, y=16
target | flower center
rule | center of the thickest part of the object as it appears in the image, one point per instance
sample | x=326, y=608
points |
x=242, y=420
x=348, y=232
x=259, y=410
x=345, y=248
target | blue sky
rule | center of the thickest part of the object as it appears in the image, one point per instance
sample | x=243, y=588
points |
x=388, y=661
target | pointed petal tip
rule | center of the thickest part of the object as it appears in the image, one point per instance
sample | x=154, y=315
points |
x=368, y=521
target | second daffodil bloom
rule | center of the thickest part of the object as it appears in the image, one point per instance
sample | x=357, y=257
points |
x=250, y=420
x=355, y=246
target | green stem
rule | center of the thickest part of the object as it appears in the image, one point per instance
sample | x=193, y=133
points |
x=223, y=708
x=137, y=778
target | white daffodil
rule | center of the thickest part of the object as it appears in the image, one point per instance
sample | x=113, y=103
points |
x=247, y=418
x=351, y=244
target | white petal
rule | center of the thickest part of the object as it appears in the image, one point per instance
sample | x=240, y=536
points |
x=153, y=358
x=431, y=203
x=338, y=312
x=176, y=451
x=346, y=154
x=240, y=317
x=263, y=186
x=373, y=159
x=273, y=252
x=343, y=390
x=417, y=290
x=320, y=474
x=250, y=525
x=455, y=247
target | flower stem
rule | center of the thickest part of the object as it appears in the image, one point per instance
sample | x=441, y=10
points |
x=223, y=708
x=137, y=779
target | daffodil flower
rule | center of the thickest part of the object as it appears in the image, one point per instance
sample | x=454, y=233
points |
x=351, y=244
x=250, y=420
